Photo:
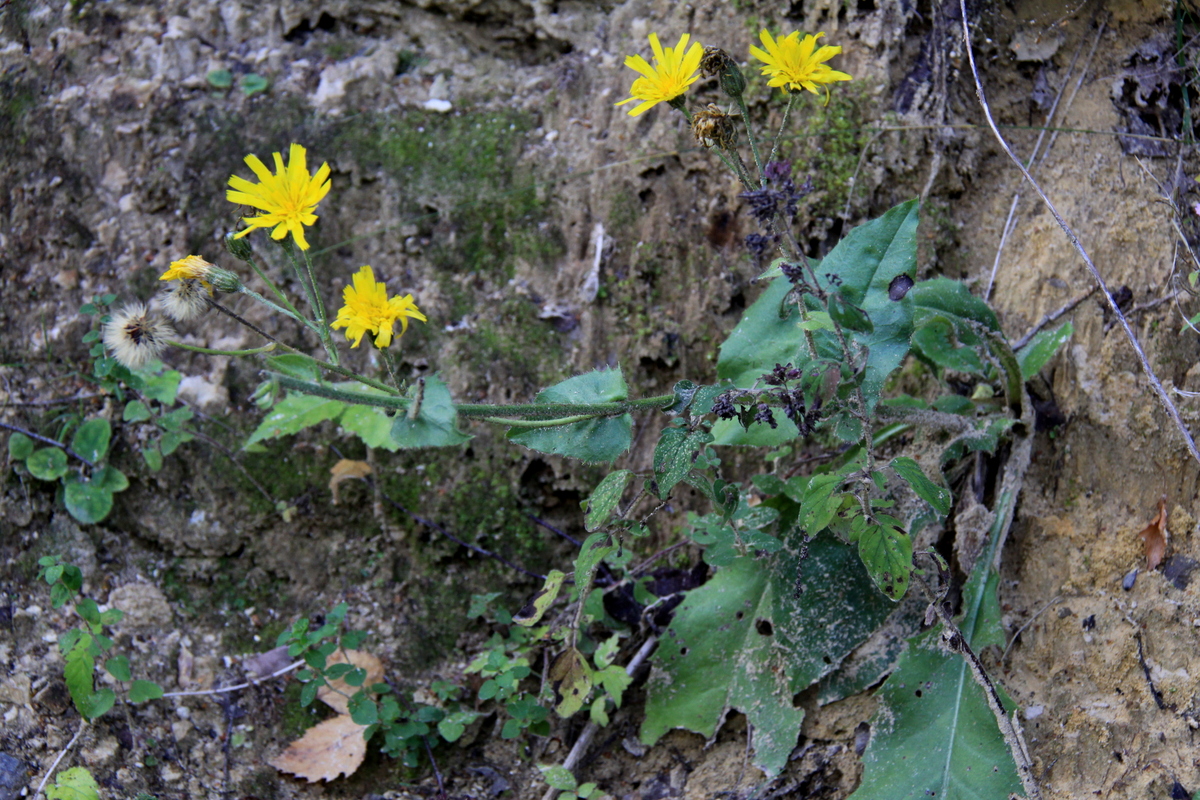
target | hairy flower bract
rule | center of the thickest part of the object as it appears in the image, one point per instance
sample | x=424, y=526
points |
x=797, y=64
x=368, y=309
x=286, y=198
x=674, y=70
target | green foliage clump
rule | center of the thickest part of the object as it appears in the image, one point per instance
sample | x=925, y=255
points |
x=83, y=645
x=148, y=395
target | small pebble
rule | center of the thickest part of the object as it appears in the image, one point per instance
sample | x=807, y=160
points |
x=1033, y=712
x=1128, y=581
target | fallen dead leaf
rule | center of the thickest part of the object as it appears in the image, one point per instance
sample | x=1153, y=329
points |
x=337, y=694
x=345, y=470
x=1155, y=536
x=329, y=749
x=261, y=665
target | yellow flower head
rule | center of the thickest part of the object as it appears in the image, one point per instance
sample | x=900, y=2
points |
x=673, y=71
x=195, y=268
x=793, y=63
x=192, y=268
x=368, y=309
x=287, y=198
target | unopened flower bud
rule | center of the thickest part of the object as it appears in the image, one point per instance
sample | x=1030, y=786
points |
x=265, y=394
x=716, y=61
x=238, y=248
x=224, y=281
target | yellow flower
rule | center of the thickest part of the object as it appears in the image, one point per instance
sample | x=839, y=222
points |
x=288, y=197
x=192, y=268
x=673, y=71
x=195, y=268
x=369, y=309
x=792, y=63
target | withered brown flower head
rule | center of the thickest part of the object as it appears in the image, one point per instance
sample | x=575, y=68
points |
x=716, y=61
x=713, y=127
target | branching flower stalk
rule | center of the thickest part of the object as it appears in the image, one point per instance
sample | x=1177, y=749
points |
x=242, y=251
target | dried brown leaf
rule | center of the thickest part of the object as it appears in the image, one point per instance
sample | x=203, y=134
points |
x=329, y=749
x=345, y=470
x=1155, y=536
x=337, y=694
x=260, y=665
x=571, y=678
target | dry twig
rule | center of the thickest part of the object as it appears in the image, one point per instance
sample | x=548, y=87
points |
x=1155, y=383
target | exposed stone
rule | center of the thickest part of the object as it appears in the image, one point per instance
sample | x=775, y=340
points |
x=144, y=604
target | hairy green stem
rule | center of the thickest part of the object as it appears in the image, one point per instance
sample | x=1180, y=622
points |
x=275, y=290
x=344, y=395
x=391, y=368
x=539, y=423
x=287, y=312
x=787, y=112
x=762, y=181
x=309, y=282
x=266, y=348
x=552, y=410
x=545, y=413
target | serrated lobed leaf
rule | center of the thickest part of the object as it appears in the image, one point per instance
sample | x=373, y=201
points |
x=295, y=413
x=748, y=639
x=673, y=456
x=886, y=551
x=594, y=440
x=436, y=424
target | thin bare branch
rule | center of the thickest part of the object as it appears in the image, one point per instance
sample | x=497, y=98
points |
x=1046, y=320
x=1155, y=383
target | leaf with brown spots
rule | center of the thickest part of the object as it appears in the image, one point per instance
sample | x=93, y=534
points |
x=329, y=749
x=571, y=678
x=1155, y=536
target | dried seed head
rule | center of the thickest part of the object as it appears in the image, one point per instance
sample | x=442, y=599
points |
x=185, y=300
x=713, y=127
x=134, y=337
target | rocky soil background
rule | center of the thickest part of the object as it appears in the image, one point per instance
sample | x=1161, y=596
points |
x=478, y=162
